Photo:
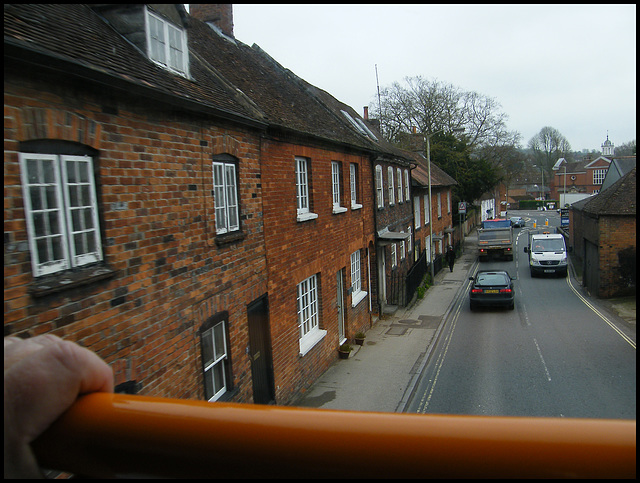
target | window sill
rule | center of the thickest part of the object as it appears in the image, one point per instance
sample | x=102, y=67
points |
x=225, y=238
x=356, y=298
x=306, y=217
x=69, y=279
x=338, y=209
x=309, y=341
x=356, y=206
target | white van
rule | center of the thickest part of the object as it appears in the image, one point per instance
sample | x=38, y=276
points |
x=547, y=254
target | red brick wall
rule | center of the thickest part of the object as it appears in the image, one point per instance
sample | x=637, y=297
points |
x=617, y=234
x=170, y=274
x=297, y=250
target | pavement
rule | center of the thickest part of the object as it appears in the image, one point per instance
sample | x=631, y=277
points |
x=381, y=374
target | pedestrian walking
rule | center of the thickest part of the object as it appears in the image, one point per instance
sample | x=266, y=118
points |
x=450, y=257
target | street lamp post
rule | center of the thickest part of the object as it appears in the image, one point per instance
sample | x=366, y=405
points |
x=431, y=258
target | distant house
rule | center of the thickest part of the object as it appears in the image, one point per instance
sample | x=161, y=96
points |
x=603, y=235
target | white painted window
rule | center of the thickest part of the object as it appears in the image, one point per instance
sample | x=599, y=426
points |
x=406, y=184
x=439, y=206
x=394, y=255
x=357, y=294
x=225, y=193
x=427, y=209
x=61, y=211
x=392, y=196
x=399, y=175
x=167, y=44
x=379, y=187
x=335, y=183
x=448, y=201
x=353, y=182
x=335, y=186
x=308, y=318
x=214, y=360
x=599, y=175
x=416, y=211
x=403, y=250
x=302, y=190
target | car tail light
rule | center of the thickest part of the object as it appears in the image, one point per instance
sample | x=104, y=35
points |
x=505, y=290
x=476, y=290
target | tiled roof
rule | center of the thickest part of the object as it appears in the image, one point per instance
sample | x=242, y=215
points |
x=227, y=76
x=74, y=38
x=420, y=173
x=618, y=199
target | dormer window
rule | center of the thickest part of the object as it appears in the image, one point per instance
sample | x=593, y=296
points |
x=167, y=44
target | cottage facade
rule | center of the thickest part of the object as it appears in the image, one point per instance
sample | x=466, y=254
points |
x=165, y=208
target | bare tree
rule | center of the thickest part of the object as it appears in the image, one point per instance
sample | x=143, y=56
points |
x=431, y=106
x=548, y=146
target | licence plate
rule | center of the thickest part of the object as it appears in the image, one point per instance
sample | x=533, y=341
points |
x=491, y=291
x=549, y=271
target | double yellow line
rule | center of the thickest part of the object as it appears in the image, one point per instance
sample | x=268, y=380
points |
x=599, y=314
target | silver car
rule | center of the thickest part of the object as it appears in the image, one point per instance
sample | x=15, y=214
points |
x=517, y=221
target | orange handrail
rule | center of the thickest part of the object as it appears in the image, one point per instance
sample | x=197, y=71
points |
x=114, y=435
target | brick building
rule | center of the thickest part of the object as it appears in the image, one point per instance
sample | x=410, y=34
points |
x=603, y=235
x=222, y=238
x=432, y=217
x=108, y=148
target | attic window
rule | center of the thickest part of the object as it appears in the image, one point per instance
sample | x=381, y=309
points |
x=167, y=44
x=359, y=125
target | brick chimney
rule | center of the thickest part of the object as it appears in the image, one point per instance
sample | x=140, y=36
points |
x=220, y=15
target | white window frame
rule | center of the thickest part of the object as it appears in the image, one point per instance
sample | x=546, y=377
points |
x=399, y=175
x=225, y=195
x=379, y=187
x=439, y=205
x=394, y=255
x=416, y=211
x=167, y=44
x=353, y=182
x=406, y=185
x=335, y=187
x=308, y=304
x=448, y=201
x=427, y=210
x=599, y=175
x=215, y=368
x=67, y=211
x=392, y=196
x=409, y=239
x=403, y=250
x=357, y=294
x=303, y=194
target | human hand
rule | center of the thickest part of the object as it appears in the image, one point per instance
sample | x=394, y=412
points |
x=43, y=376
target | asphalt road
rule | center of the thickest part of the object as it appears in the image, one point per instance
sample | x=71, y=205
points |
x=555, y=355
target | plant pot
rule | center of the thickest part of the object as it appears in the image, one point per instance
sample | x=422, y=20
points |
x=344, y=354
x=359, y=341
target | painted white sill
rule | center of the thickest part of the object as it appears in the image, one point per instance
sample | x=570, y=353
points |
x=306, y=216
x=356, y=206
x=356, y=298
x=310, y=340
x=338, y=209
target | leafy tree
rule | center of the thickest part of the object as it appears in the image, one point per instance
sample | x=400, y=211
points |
x=475, y=175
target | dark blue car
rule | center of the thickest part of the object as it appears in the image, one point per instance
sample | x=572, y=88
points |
x=492, y=288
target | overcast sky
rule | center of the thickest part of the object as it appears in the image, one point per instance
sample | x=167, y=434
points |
x=571, y=67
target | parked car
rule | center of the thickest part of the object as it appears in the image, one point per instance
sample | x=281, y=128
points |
x=517, y=221
x=492, y=288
